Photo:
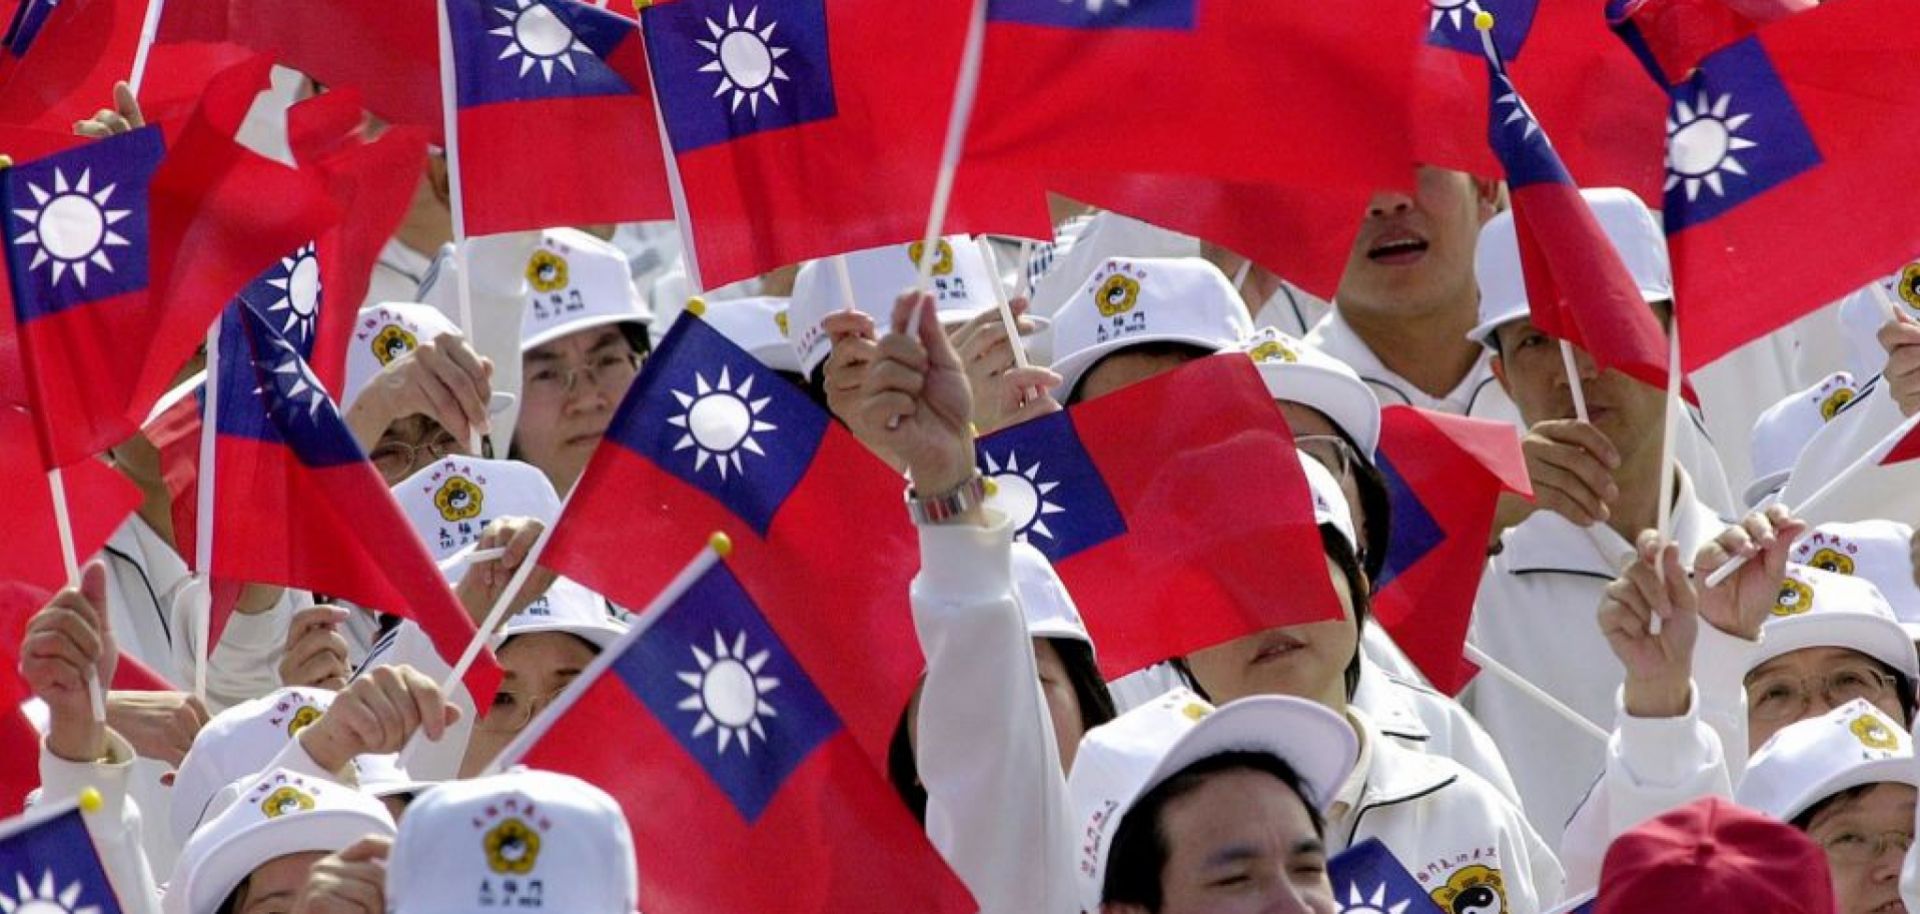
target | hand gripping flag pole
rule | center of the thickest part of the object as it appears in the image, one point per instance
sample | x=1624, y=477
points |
x=1669, y=472
x=450, y=119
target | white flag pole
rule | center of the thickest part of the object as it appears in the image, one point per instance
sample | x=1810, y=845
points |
x=1504, y=674
x=1000, y=300
x=63, y=525
x=203, y=509
x=965, y=90
x=149, y=30
x=450, y=125
x=1669, y=468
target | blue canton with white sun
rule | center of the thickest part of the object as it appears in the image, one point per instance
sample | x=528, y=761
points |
x=1733, y=133
x=517, y=50
x=76, y=222
x=728, y=69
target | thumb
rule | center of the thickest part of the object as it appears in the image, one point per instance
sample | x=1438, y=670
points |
x=933, y=337
x=93, y=587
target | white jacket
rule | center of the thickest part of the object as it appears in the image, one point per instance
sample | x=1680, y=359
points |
x=1536, y=613
x=1451, y=829
x=997, y=806
x=1424, y=720
x=115, y=826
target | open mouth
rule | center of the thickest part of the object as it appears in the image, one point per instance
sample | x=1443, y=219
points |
x=1397, y=248
x=1895, y=906
x=1278, y=647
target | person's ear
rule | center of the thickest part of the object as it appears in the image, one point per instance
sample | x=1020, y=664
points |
x=1499, y=366
x=437, y=176
x=1491, y=197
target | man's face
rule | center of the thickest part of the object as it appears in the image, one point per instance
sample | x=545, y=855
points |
x=1631, y=414
x=1243, y=842
x=1416, y=252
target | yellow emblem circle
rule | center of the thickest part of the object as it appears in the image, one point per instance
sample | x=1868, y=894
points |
x=1910, y=285
x=392, y=342
x=943, y=266
x=1117, y=295
x=1273, y=351
x=285, y=800
x=459, y=499
x=302, y=719
x=1832, y=560
x=547, y=271
x=512, y=847
x=1835, y=401
x=1795, y=598
x=1475, y=889
x=1873, y=734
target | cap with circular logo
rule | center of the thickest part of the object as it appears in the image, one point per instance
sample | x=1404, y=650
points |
x=1298, y=372
x=522, y=841
x=387, y=331
x=1120, y=761
x=1822, y=609
x=450, y=501
x=961, y=287
x=1782, y=432
x=1879, y=551
x=758, y=325
x=277, y=813
x=566, y=607
x=236, y=743
x=1636, y=236
x=1850, y=746
x=1130, y=302
x=1863, y=313
x=576, y=282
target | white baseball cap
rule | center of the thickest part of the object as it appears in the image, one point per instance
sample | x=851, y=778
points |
x=1877, y=550
x=961, y=287
x=1863, y=313
x=567, y=607
x=450, y=502
x=1822, y=609
x=487, y=844
x=1782, y=432
x=1298, y=372
x=1127, y=302
x=1850, y=746
x=1635, y=233
x=389, y=330
x=1329, y=500
x=237, y=743
x=757, y=325
x=1049, y=608
x=1120, y=761
x=277, y=813
x=1103, y=237
x=576, y=282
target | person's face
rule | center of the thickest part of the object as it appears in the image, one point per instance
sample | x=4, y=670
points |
x=1534, y=374
x=1774, y=689
x=1416, y=252
x=274, y=885
x=1865, y=882
x=1241, y=843
x=1124, y=368
x=537, y=668
x=1063, y=706
x=572, y=386
x=1325, y=444
x=1306, y=661
x=410, y=444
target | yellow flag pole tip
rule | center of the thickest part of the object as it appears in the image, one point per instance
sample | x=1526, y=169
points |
x=721, y=543
x=90, y=800
x=1483, y=21
x=991, y=488
x=697, y=306
x=6, y=161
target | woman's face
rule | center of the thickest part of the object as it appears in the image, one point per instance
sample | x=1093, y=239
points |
x=1866, y=839
x=537, y=667
x=1807, y=683
x=570, y=388
x=1306, y=661
x=273, y=886
x=1063, y=705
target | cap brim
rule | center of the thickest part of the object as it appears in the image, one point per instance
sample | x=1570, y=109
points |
x=1344, y=400
x=1880, y=638
x=1879, y=771
x=586, y=323
x=600, y=636
x=1319, y=746
x=328, y=830
x=1076, y=364
x=1758, y=490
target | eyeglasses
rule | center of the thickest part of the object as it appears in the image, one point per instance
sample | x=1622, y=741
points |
x=610, y=372
x=1782, y=697
x=1332, y=451
x=396, y=459
x=512, y=711
x=1860, y=849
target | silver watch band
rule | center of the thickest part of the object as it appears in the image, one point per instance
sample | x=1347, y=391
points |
x=942, y=508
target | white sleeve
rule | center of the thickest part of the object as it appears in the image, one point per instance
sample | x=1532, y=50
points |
x=1720, y=664
x=115, y=826
x=996, y=796
x=246, y=663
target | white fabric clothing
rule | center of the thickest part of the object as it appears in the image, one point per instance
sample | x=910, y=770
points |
x=1448, y=826
x=1741, y=385
x=1380, y=648
x=997, y=806
x=1477, y=395
x=116, y=826
x=397, y=274
x=246, y=663
x=144, y=579
x=1424, y=720
x=1291, y=310
x=1536, y=614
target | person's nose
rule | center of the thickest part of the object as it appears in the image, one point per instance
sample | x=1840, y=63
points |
x=1389, y=203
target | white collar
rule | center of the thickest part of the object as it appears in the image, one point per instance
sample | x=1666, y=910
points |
x=1337, y=338
x=1547, y=541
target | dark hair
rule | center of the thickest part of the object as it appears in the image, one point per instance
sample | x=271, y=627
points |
x=1185, y=352
x=1139, y=851
x=902, y=771
x=232, y=903
x=1335, y=544
x=1847, y=797
x=638, y=338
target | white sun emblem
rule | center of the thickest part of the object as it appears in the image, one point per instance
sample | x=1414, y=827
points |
x=746, y=59
x=1021, y=495
x=729, y=693
x=44, y=900
x=538, y=37
x=1520, y=113
x=1359, y=904
x=1701, y=141
x=299, y=285
x=1453, y=12
x=295, y=382
x=72, y=227
x=721, y=421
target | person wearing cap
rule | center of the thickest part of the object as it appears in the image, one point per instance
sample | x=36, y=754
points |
x=1184, y=808
x=1408, y=294
x=1134, y=318
x=1335, y=417
x=1782, y=432
x=583, y=336
x=1598, y=484
x=1847, y=779
x=1713, y=857
x=1881, y=551
x=415, y=390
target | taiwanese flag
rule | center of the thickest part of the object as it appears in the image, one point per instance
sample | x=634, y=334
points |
x=48, y=862
x=708, y=438
x=802, y=129
x=99, y=500
x=120, y=253
x=1367, y=879
x=1671, y=36
x=730, y=751
x=1248, y=92
x=550, y=92
x=1773, y=143
x=1578, y=289
x=59, y=60
x=1445, y=475
x=298, y=505
x=1560, y=50
x=1174, y=509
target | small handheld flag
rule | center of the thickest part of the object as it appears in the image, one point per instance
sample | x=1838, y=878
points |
x=48, y=863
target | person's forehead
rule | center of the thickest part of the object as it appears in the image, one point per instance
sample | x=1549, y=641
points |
x=588, y=340
x=1809, y=660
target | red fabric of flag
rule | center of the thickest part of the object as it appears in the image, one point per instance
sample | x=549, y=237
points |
x=99, y=500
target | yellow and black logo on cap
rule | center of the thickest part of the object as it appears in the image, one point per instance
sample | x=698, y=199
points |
x=459, y=499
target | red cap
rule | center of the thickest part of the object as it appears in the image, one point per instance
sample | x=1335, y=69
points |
x=1710, y=857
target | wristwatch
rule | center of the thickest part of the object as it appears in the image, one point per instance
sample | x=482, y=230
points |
x=943, y=508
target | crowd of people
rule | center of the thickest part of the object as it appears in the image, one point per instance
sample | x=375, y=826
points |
x=1656, y=742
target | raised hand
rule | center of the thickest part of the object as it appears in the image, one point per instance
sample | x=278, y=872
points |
x=916, y=395
x=67, y=643
x=376, y=714
x=1742, y=603
x=1659, y=666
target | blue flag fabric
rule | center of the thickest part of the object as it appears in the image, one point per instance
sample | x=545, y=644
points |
x=48, y=863
x=1368, y=879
